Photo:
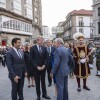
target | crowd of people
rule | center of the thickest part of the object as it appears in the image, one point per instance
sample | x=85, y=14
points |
x=57, y=58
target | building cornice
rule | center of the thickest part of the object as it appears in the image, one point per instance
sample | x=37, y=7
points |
x=96, y=4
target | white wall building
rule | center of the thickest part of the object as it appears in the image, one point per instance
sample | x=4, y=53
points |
x=20, y=18
x=78, y=21
x=57, y=30
x=46, y=32
x=96, y=17
x=84, y=24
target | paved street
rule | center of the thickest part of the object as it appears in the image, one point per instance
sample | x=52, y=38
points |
x=30, y=94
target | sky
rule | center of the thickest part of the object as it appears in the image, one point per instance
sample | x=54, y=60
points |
x=54, y=11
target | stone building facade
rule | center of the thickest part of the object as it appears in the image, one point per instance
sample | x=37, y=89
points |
x=96, y=17
x=20, y=18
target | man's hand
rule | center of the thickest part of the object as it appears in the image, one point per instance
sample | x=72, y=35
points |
x=16, y=79
x=26, y=74
x=39, y=68
x=43, y=67
x=51, y=75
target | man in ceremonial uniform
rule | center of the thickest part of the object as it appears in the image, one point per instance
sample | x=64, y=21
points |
x=81, y=53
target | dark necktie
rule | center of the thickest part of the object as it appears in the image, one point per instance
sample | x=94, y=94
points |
x=40, y=50
x=19, y=54
x=48, y=50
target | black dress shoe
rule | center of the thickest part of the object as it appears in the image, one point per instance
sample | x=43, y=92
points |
x=79, y=89
x=38, y=98
x=33, y=85
x=46, y=97
x=29, y=86
x=86, y=88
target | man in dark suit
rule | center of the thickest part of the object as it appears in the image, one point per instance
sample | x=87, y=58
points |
x=38, y=58
x=16, y=67
x=50, y=50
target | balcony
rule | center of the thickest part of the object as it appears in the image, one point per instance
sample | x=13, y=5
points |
x=81, y=24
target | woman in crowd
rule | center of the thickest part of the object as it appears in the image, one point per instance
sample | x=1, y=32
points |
x=71, y=67
x=54, y=79
x=29, y=68
x=71, y=46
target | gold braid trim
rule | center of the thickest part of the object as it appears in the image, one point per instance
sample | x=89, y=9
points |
x=86, y=49
x=82, y=76
x=80, y=70
x=86, y=67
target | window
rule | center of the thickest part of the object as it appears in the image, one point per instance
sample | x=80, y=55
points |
x=16, y=6
x=99, y=11
x=3, y=3
x=81, y=21
x=91, y=31
x=29, y=2
x=81, y=30
x=0, y=22
x=17, y=25
x=12, y=6
x=13, y=24
x=28, y=11
x=98, y=27
x=18, y=22
x=20, y=25
x=91, y=22
x=4, y=24
x=35, y=9
x=7, y=24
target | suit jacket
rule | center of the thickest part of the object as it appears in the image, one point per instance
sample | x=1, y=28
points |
x=49, y=57
x=36, y=58
x=16, y=65
x=61, y=59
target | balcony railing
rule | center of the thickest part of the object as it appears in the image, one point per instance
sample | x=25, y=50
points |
x=81, y=24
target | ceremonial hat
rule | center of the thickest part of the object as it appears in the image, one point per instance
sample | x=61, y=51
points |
x=76, y=36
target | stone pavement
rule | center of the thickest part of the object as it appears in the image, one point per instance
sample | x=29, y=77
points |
x=30, y=94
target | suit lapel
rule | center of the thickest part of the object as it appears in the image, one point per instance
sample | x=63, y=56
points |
x=38, y=50
x=17, y=54
x=14, y=53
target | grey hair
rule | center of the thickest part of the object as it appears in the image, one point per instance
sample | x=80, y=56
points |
x=59, y=40
x=39, y=36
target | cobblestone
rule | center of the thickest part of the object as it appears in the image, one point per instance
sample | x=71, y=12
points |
x=30, y=94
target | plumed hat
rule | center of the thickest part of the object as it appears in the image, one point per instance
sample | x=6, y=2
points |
x=76, y=36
